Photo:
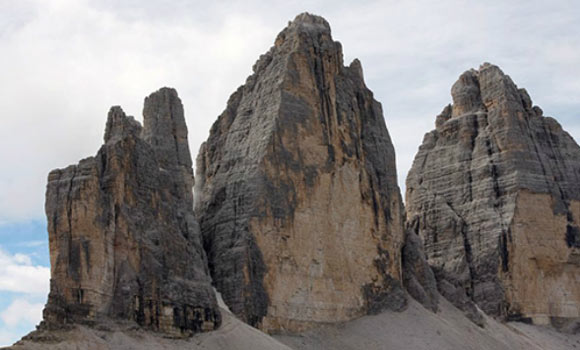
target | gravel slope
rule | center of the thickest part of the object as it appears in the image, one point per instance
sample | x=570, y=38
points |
x=414, y=329
x=419, y=329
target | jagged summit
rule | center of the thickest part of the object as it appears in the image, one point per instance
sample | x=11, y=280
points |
x=476, y=91
x=310, y=22
x=164, y=127
x=119, y=125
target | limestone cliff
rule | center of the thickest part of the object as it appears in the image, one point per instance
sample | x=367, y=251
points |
x=124, y=243
x=494, y=192
x=296, y=191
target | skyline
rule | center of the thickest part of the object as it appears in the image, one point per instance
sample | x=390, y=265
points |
x=66, y=62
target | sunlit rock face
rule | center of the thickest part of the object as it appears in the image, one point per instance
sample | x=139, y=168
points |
x=296, y=193
x=124, y=243
x=494, y=192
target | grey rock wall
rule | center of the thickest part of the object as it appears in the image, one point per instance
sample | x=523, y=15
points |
x=493, y=193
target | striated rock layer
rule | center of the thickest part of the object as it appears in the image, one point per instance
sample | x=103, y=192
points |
x=495, y=194
x=296, y=191
x=124, y=243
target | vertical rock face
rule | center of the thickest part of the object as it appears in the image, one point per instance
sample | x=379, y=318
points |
x=124, y=243
x=495, y=194
x=296, y=191
x=418, y=278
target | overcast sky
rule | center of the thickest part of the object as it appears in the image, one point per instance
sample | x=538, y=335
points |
x=63, y=63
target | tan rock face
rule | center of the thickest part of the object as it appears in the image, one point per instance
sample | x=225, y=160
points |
x=319, y=262
x=494, y=193
x=537, y=250
x=297, y=195
x=124, y=243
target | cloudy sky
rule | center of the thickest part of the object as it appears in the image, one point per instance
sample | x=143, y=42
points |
x=63, y=63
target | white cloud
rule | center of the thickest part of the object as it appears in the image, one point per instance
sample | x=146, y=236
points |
x=19, y=275
x=21, y=311
x=32, y=244
x=8, y=337
x=65, y=62
x=26, y=287
x=20, y=317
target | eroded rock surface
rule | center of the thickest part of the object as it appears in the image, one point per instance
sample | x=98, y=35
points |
x=296, y=191
x=418, y=278
x=494, y=193
x=124, y=243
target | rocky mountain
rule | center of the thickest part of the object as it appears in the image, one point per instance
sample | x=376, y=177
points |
x=494, y=192
x=124, y=243
x=298, y=222
x=297, y=193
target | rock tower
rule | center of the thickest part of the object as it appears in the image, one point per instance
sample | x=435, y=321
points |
x=297, y=193
x=494, y=192
x=124, y=243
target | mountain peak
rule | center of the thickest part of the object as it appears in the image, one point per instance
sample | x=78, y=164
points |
x=310, y=21
x=305, y=28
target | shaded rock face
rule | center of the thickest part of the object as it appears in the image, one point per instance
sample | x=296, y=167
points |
x=418, y=278
x=124, y=243
x=494, y=192
x=296, y=191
